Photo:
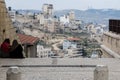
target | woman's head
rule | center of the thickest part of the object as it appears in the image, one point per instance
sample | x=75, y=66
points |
x=15, y=42
x=7, y=40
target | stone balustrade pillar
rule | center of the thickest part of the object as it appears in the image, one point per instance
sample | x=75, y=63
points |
x=101, y=72
x=13, y=73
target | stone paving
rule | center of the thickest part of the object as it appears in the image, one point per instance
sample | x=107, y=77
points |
x=31, y=68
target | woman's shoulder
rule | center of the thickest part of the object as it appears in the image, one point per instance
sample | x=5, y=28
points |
x=19, y=46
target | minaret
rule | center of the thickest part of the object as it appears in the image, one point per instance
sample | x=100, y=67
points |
x=6, y=28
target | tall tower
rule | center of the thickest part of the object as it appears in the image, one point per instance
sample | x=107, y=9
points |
x=6, y=28
x=47, y=10
x=50, y=9
x=72, y=16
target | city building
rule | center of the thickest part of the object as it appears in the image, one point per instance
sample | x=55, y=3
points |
x=64, y=19
x=40, y=18
x=47, y=22
x=57, y=27
x=47, y=10
x=29, y=44
x=91, y=28
x=49, y=25
x=12, y=14
x=43, y=52
x=70, y=43
x=78, y=22
x=71, y=16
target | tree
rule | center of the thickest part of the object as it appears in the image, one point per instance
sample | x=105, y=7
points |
x=84, y=54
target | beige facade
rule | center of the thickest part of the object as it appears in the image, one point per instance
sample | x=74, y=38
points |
x=12, y=15
x=112, y=41
x=6, y=27
x=47, y=9
x=91, y=28
x=41, y=19
x=71, y=16
x=43, y=52
x=44, y=8
x=49, y=25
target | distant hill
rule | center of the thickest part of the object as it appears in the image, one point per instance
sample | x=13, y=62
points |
x=20, y=11
x=90, y=15
x=93, y=15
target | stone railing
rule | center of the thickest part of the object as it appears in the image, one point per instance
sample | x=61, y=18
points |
x=100, y=73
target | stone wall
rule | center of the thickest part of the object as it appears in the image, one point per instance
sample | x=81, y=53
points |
x=60, y=68
x=112, y=41
x=6, y=28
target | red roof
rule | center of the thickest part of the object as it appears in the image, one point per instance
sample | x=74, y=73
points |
x=27, y=39
x=72, y=39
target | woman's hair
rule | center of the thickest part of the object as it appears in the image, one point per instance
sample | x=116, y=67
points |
x=14, y=44
x=7, y=40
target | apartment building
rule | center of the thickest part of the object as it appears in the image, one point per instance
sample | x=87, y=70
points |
x=70, y=43
x=47, y=10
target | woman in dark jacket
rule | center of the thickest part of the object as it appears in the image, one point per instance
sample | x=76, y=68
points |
x=16, y=50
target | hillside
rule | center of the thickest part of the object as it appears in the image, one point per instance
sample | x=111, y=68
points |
x=90, y=15
x=93, y=15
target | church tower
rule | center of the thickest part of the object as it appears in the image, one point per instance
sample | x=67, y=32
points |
x=6, y=28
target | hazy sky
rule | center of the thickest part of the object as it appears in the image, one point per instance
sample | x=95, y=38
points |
x=64, y=4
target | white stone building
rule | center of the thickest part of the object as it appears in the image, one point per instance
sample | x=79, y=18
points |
x=64, y=19
x=43, y=52
x=71, y=16
x=70, y=43
x=41, y=19
x=12, y=14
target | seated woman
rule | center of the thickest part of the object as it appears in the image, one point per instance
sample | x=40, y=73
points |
x=5, y=48
x=16, y=50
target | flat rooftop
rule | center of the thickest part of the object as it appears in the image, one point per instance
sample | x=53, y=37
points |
x=60, y=68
